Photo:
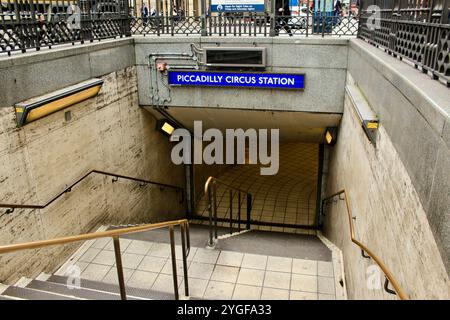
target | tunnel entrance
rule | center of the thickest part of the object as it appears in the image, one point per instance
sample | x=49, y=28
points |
x=286, y=201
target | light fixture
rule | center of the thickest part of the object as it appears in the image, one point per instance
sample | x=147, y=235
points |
x=166, y=127
x=331, y=135
x=367, y=117
x=39, y=107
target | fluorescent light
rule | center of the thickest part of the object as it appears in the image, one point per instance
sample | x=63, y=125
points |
x=39, y=107
x=167, y=128
x=331, y=135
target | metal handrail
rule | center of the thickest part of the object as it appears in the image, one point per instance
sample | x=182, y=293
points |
x=210, y=190
x=115, y=234
x=11, y=206
x=398, y=290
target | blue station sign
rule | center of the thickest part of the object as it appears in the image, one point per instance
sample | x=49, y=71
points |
x=237, y=5
x=238, y=79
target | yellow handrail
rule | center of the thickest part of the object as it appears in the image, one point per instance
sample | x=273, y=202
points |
x=88, y=236
x=212, y=179
x=184, y=228
x=398, y=289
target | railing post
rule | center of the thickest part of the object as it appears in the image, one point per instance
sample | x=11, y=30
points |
x=211, y=212
x=183, y=249
x=272, y=19
x=119, y=267
x=231, y=211
x=174, y=263
x=249, y=209
x=215, y=209
x=239, y=211
x=203, y=18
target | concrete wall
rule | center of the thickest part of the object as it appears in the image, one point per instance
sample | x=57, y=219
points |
x=109, y=132
x=324, y=62
x=415, y=112
x=29, y=75
x=391, y=218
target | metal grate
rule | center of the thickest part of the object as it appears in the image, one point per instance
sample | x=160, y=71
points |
x=418, y=31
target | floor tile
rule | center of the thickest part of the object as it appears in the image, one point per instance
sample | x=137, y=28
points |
x=161, y=250
x=279, y=264
x=167, y=269
x=131, y=260
x=278, y=280
x=254, y=261
x=95, y=272
x=326, y=285
x=89, y=255
x=164, y=283
x=100, y=243
x=219, y=290
x=301, y=266
x=225, y=273
x=111, y=276
x=200, y=270
x=274, y=294
x=306, y=283
x=123, y=245
x=139, y=247
x=326, y=297
x=105, y=257
x=325, y=268
x=197, y=287
x=206, y=255
x=153, y=264
x=230, y=258
x=300, y=295
x=142, y=279
x=251, y=277
x=245, y=292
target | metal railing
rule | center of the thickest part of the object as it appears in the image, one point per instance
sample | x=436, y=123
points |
x=418, y=31
x=211, y=191
x=142, y=182
x=115, y=234
x=315, y=23
x=389, y=277
x=27, y=24
x=35, y=24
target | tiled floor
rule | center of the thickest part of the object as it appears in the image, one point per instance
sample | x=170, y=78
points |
x=288, y=197
x=213, y=274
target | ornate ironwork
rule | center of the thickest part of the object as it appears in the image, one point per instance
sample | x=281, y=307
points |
x=27, y=24
x=416, y=30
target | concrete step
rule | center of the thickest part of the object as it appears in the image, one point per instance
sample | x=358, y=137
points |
x=63, y=289
x=32, y=294
x=132, y=293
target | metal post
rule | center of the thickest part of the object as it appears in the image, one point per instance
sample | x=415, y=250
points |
x=215, y=209
x=203, y=18
x=174, y=263
x=183, y=249
x=249, y=209
x=239, y=211
x=272, y=18
x=171, y=17
x=231, y=211
x=120, y=277
x=211, y=212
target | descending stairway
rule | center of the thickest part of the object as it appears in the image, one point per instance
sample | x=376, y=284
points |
x=55, y=287
x=236, y=260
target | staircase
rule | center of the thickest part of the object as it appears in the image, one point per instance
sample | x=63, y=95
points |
x=54, y=287
x=252, y=264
